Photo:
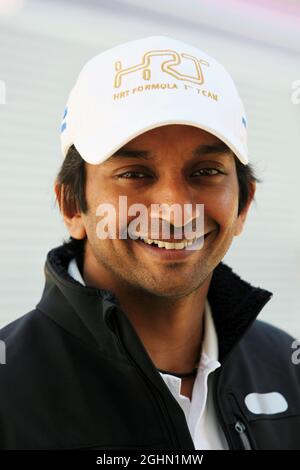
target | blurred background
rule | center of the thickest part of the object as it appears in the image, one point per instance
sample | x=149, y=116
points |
x=44, y=44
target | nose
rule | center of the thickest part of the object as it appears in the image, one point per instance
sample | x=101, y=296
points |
x=175, y=202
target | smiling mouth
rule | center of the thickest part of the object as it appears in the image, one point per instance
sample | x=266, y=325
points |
x=172, y=245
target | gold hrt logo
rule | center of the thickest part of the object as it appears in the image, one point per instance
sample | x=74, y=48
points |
x=167, y=66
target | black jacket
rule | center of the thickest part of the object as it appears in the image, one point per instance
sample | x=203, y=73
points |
x=77, y=376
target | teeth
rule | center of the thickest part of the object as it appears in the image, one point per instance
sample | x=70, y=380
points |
x=169, y=245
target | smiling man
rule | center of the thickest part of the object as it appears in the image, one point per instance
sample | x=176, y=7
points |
x=150, y=341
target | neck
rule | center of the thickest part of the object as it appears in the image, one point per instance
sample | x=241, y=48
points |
x=171, y=330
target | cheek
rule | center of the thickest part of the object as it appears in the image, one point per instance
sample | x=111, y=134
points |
x=105, y=215
x=222, y=206
x=97, y=194
x=90, y=226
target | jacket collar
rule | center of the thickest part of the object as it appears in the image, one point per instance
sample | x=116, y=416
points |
x=93, y=315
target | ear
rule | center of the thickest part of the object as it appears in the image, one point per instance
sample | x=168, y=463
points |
x=243, y=214
x=72, y=219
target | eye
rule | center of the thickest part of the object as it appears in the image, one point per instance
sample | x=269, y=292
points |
x=209, y=172
x=132, y=175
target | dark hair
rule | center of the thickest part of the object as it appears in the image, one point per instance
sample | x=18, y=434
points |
x=245, y=175
x=72, y=177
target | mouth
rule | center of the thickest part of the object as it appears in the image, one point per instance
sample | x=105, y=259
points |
x=172, y=249
x=171, y=245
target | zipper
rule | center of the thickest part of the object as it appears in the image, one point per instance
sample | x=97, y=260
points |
x=219, y=412
x=216, y=380
x=173, y=436
x=241, y=430
x=239, y=426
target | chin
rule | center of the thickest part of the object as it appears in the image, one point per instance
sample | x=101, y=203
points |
x=176, y=291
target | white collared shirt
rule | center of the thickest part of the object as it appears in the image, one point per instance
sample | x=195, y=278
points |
x=199, y=411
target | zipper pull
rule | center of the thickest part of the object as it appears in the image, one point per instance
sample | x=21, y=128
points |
x=241, y=430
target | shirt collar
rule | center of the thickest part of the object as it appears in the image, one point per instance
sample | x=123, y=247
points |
x=210, y=340
x=74, y=272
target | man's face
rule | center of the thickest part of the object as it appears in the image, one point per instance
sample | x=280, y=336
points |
x=173, y=173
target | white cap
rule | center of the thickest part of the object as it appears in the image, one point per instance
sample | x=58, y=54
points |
x=147, y=83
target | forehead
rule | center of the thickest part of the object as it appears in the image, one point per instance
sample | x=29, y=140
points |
x=193, y=141
x=177, y=133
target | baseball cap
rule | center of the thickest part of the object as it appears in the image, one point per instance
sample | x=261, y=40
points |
x=147, y=83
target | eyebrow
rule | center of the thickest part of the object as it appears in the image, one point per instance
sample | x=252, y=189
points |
x=200, y=151
x=208, y=149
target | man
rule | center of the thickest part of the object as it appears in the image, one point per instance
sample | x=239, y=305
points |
x=150, y=341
